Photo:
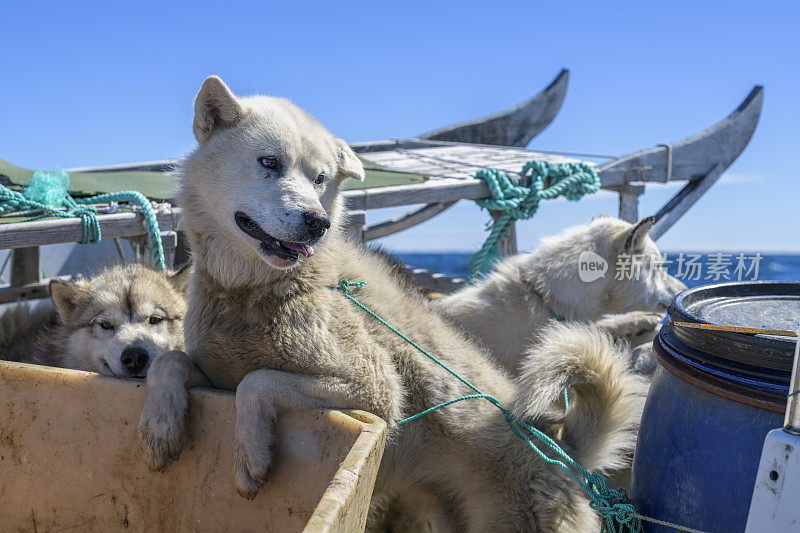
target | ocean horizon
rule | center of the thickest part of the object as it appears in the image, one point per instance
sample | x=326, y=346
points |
x=692, y=267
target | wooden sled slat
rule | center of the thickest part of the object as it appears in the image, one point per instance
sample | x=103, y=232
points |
x=516, y=126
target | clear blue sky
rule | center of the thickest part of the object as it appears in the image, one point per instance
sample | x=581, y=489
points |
x=100, y=83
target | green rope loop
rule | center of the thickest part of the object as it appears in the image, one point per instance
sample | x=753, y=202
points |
x=151, y=222
x=47, y=191
x=546, y=180
x=616, y=509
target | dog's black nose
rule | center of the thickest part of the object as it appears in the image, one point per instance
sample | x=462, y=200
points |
x=134, y=359
x=317, y=222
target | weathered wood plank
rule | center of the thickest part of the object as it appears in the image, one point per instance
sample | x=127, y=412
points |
x=629, y=207
x=30, y=291
x=515, y=126
x=430, y=192
x=693, y=157
x=355, y=219
x=629, y=202
x=169, y=242
x=507, y=245
x=682, y=201
x=462, y=160
x=404, y=221
x=165, y=165
x=354, y=224
x=25, y=266
x=60, y=230
x=183, y=253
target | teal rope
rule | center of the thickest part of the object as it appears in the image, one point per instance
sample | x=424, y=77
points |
x=519, y=202
x=614, y=506
x=151, y=222
x=47, y=191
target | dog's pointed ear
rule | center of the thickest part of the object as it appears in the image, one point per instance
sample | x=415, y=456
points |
x=350, y=165
x=215, y=106
x=65, y=294
x=634, y=241
x=179, y=278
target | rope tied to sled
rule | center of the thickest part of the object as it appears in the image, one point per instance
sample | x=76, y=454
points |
x=48, y=192
x=616, y=509
x=517, y=201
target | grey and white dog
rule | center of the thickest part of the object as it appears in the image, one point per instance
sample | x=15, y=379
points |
x=263, y=215
x=113, y=323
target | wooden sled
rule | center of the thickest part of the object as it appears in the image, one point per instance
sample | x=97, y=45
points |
x=434, y=173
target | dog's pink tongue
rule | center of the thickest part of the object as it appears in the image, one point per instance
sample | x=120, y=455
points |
x=300, y=248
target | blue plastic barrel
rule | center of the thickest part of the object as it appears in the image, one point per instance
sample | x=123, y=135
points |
x=713, y=399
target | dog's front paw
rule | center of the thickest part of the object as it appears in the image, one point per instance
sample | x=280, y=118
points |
x=251, y=466
x=252, y=457
x=255, y=417
x=162, y=425
x=630, y=324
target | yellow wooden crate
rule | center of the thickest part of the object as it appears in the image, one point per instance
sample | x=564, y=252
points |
x=70, y=459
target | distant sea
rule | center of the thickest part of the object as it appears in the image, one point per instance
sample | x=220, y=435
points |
x=784, y=267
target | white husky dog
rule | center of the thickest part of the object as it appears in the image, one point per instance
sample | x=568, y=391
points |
x=263, y=215
x=113, y=323
x=569, y=277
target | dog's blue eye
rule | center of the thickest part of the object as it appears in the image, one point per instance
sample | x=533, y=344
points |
x=106, y=325
x=269, y=162
x=155, y=320
x=319, y=179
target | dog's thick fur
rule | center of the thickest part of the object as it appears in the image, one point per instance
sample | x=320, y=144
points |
x=587, y=360
x=637, y=329
x=22, y=327
x=525, y=291
x=70, y=334
x=271, y=327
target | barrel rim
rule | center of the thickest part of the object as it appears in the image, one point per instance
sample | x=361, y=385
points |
x=771, y=357
x=716, y=385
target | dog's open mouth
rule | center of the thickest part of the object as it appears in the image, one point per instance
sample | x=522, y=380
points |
x=288, y=251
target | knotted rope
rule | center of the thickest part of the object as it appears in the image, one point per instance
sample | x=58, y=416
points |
x=520, y=202
x=47, y=191
x=617, y=511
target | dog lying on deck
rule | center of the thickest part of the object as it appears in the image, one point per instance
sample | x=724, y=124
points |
x=525, y=291
x=113, y=323
x=263, y=214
